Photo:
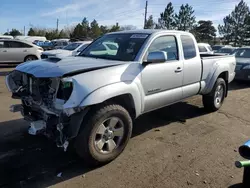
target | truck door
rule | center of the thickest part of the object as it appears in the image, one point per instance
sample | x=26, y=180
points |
x=162, y=82
x=192, y=66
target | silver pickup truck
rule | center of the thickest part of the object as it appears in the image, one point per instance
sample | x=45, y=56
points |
x=90, y=101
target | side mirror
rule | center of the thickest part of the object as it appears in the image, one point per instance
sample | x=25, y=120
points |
x=157, y=57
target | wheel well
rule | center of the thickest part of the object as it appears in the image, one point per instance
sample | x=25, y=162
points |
x=125, y=100
x=29, y=56
x=224, y=75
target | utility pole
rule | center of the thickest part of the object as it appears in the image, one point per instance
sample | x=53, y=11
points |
x=146, y=11
x=57, y=22
x=23, y=30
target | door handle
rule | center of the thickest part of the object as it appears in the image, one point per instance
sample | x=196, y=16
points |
x=179, y=69
x=25, y=51
x=5, y=51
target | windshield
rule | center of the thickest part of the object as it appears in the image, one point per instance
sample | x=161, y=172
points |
x=243, y=53
x=72, y=46
x=124, y=47
x=216, y=47
x=225, y=50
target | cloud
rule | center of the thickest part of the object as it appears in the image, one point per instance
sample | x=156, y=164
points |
x=106, y=12
x=70, y=7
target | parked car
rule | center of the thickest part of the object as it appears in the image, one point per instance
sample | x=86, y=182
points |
x=6, y=37
x=110, y=48
x=92, y=99
x=205, y=48
x=60, y=43
x=242, y=69
x=47, y=45
x=217, y=47
x=226, y=50
x=30, y=38
x=16, y=51
x=70, y=50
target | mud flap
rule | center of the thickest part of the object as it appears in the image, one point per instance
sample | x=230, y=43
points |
x=75, y=123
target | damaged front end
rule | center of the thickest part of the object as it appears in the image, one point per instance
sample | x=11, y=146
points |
x=42, y=105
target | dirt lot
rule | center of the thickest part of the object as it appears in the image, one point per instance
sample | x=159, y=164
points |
x=178, y=146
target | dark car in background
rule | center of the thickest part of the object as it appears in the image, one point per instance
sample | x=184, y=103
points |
x=242, y=69
x=218, y=47
x=226, y=50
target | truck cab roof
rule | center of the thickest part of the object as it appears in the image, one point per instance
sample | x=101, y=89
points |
x=150, y=31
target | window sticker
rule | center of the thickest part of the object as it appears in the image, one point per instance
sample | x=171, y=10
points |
x=139, y=36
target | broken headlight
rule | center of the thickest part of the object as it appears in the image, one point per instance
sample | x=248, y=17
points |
x=65, y=89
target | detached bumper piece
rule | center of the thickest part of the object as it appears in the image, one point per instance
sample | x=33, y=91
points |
x=16, y=108
x=37, y=127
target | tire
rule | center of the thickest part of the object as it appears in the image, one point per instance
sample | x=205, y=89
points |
x=94, y=143
x=214, y=100
x=30, y=58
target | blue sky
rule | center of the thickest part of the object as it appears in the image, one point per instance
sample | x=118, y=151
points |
x=43, y=13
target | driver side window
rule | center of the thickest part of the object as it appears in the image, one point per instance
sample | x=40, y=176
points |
x=167, y=44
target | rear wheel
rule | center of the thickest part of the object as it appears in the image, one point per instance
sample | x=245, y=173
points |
x=105, y=135
x=30, y=58
x=214, y=100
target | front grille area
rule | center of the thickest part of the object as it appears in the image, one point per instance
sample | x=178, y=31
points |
x=44, y=56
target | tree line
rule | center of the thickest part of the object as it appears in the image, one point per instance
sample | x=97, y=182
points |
x=235, y=27
x=184, y=20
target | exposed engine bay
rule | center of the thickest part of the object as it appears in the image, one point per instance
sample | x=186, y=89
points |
x=42, y=104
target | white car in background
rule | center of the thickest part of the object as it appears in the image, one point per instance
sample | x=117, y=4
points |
x=205, y=48
x=72, y=49
x=16, y=51
x=110, y=48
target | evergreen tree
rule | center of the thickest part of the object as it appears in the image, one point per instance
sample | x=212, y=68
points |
x=185, y=19
x=167, y=19
x=149, y=23
x=236, y=24
x=204, y=31
x=95, y=30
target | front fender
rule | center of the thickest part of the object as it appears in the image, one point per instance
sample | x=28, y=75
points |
x=113, y=90
x=211, y=79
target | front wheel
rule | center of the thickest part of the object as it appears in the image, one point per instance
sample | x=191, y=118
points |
x=105, y=135
x=214, y=100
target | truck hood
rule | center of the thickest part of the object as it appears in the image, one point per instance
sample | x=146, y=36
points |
x=56, y=67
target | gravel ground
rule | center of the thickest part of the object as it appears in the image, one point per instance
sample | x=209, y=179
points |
x=178, y=146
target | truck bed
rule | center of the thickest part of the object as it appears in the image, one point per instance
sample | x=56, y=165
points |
x=210, y=63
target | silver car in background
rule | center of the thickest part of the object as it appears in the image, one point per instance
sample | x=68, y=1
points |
x=16, y=51
x=242, y=69
x=70, y=50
